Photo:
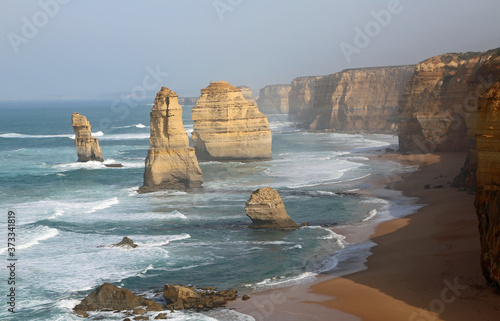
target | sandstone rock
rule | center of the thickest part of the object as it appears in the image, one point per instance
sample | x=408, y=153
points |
x=173, y=293
x=141, y=318
x=139, y=311
x=301, y=99
x=171, y=163
x=439, y=98
x=113, y=165
x=488, y=183
x=87, y=147
x=245, y=297
x=228, y=127
x=161, y=316
x=126, y=243
x=181, y=298
x=267, y=211
x=247, y=94
x=273, y=99
x=110, y=297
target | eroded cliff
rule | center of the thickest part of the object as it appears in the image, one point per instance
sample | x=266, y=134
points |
x=301, y=99
x=360, y=100
x=488, y=182
x=171, y=163
x=87, y=147
x=247, y=93
x=228, y=127
x=438, y=107
x=273, y=99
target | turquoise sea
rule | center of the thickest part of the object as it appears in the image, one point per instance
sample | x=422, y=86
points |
x=68, y=212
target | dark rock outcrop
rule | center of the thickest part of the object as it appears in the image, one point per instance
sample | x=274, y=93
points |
x=488, y=182
x=181, y=298
x=228, y=127
x=171, y=163
x=110, y=297
x=267, y=211
x=273, y=99
x=87, y=147
x=126, y=243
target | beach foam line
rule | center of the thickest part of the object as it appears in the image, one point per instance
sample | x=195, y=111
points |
x=45, y=234
x=284, y=281
x=156, y=243
x=16, y=135
x=371, y=215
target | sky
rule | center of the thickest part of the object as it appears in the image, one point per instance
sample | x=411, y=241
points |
x=94, y=48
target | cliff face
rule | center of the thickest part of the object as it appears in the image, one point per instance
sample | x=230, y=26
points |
x=170, y=163
x=485, y=76
x=439, y=98
x=267, y=211
x=360, y=100
x=273, y=99
x=228, y=127
x=488, y=182
x=87, y=147
x=301, y=99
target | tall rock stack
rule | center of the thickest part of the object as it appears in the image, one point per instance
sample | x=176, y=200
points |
x=87, y=147
x=273, y=99
x=171, y=163
x=228, y=127
x=488, y=182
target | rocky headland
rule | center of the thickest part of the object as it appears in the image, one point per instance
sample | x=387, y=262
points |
x=488, y=182
x=228, y=127
x=267, y=211
x=170, y=163
x=273, y=99
x=87, y=147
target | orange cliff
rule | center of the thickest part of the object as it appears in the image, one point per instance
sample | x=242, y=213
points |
x=87, y=147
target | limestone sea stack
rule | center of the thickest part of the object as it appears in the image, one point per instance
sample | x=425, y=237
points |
x=267, y=211
x=87, y=147
x=488, y=182
x=273, y=99
x=228, y=127
x=247, y=93
x=171, y=163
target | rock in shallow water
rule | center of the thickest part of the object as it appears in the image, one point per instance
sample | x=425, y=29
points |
x=267, y=211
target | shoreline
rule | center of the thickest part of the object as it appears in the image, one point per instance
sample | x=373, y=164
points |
x=415, y=263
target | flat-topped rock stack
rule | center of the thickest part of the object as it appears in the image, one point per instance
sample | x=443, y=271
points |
x=171, y=163
x=228, y=127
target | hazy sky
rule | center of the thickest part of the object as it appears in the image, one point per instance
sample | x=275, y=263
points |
x=67, y=47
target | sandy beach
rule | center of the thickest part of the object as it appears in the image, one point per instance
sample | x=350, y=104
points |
x=424, y=266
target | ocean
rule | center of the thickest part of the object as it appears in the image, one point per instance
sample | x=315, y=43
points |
x=68, y=213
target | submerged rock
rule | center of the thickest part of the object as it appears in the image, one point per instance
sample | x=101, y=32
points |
x=126, y=243
x=228, y=127
x=87, y=147
x=171, y=163
x=267, y=211
x=110, y=297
